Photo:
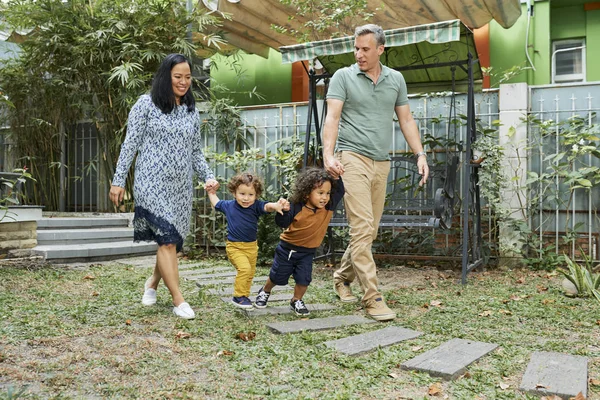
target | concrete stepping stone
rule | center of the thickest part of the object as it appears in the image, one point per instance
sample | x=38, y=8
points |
x=200, y=277
x=359, y=344
x=550, y=373
x=318, y=324
x=194, y=271
x=286, y=309
x=228, y=291
x=273, y=297
x=227, y=281
x=451, y=359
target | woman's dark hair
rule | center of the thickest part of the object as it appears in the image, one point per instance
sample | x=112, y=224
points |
x=309, y=179
x=162, y=89
x=245, y=178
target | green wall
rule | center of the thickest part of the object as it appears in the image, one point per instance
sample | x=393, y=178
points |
x=507, y=47
x=568, y=22
x=272, y=79
x=592, y=43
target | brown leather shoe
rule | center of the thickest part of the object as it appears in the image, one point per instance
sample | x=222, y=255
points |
x=343, y=291
x=378, y=310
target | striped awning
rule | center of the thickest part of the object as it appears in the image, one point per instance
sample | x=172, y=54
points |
x=424, y=53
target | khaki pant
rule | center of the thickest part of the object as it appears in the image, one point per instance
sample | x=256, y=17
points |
x=365, y=181
x=243, y=256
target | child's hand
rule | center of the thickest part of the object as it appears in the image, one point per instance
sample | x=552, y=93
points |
x=285, y=205
x=211, y=186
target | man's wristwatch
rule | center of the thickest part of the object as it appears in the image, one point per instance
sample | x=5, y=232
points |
x=419, y=154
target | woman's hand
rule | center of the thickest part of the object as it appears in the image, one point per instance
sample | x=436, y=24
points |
x=211, y=185
x=116, y=195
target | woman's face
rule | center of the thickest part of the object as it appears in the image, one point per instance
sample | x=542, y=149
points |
x=181, y=79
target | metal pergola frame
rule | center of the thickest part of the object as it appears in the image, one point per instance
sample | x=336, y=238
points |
x=471, y=201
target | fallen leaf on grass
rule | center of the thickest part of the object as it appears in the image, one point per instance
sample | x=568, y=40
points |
x=94, y=293
x=466, y=375
x=579, y=396
x=551, y=274
x=246, y=337
x=416, y=348
x=520, y=280
x=485, y=313
x=393, y=375
x=505, y=312
x=128, y=322
x=553, y=397
x=541, y=288
x=434, y=389
x=182, y=335
x=503, y=386
x=224, y=353
x=598, y=322
x=515, y=297
x=90, y=277
x=594, y=382
x=435, y=303
x=434, y=285
x=547, y=301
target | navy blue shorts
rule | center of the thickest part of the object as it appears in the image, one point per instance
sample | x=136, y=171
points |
x=291, y=263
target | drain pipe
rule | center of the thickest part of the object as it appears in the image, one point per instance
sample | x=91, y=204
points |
x=529, y=15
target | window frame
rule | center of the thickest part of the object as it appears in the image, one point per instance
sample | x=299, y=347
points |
x=576, y=44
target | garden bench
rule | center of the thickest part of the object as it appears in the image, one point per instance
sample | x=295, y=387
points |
x=407, y=204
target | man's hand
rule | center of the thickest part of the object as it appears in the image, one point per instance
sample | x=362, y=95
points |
x=423, y=169
x=116, y=195
x=333, y=166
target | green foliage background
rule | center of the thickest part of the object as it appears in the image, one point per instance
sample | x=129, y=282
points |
x=87, y=61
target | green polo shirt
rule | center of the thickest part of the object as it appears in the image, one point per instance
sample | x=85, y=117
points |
x=366, y=123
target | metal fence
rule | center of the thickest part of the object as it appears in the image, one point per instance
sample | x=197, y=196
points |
x=565, y=219
x=267, y=126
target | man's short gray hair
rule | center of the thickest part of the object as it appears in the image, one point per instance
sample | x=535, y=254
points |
x=374, y=29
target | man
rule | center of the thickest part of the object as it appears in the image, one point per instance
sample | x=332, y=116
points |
x=361, y=101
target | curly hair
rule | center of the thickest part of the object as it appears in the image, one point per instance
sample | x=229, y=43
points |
x=245, y=178
x=308, y=180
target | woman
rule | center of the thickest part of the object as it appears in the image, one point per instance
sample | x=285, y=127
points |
x=163, y=128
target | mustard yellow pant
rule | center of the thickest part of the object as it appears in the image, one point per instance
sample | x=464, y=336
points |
x=243, y=256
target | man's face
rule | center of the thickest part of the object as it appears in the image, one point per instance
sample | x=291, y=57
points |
x=367, y=52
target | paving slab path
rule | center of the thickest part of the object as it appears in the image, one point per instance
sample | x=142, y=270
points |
x=273, y=297
x=550, y=373
x=450, y=359
x=196, y=271
x=365, y=342
x=197, y=276
x=227, y=281
x=318, y=324
x=226, y=291
x=287, y=310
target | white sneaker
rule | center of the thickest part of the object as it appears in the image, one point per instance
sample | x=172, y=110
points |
x=184, y=311
x=149, y=297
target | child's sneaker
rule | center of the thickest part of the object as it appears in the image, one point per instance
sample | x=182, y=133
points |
x=299, y=308
x=242, y=302
x=261, y=299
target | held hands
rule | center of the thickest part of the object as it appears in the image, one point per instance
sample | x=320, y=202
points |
x=333, y=166
x=281, y=205
x=211, y=186
x=116, y=195
x=423, y=169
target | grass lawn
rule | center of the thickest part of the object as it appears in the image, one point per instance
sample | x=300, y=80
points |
x=82, y=333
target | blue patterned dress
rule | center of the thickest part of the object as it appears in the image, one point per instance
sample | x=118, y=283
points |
x=169, y=151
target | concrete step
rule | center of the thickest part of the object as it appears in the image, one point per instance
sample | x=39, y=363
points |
x=77, y=236
x=81, y=222
x=93, y=251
